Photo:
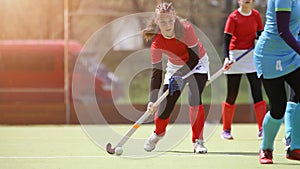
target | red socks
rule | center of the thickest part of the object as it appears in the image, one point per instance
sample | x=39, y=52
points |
x=160, y=125
x=228, y=110
x=197, y=119
x=260, y=109
x=227, y=115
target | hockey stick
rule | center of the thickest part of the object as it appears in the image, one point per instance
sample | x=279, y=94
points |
x=118, y=148
x=221, y=71
x=135, y=126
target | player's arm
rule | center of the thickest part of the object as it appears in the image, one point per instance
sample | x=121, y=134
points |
x=227, y=39
x=260, y=27
x=193, y=46
x=258, y=33
x=192, y=61
x=176, y=81
x=156, y=80
x=230, y=28
x=283, y=22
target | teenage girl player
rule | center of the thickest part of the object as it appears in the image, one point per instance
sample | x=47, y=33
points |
x=177, y=40
x=277, y=59
x=243, y=27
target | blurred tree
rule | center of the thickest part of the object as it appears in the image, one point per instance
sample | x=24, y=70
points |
x=43, y=19
x=31, y=19
x=227, y=8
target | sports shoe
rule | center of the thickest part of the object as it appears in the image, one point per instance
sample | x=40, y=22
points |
x=227, y=135
x=266, y=156
x=151, y=142
x=199, y=147
x=293, y=154
x=260, y=134
x=287, y=142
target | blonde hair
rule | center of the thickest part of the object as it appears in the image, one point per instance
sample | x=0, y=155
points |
x=152, y=29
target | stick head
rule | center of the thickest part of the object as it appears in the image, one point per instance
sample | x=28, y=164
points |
x=109, y=149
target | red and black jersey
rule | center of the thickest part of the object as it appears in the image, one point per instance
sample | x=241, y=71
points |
x=176, y=49
x=243, y=29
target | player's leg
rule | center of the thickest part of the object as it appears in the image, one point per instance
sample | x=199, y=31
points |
x=196, y=111
x=289, y=111
x=276, y=93
x=228, y=107
x=260, y=106
x=294, y=150
x=260, y=109
x=161, y=119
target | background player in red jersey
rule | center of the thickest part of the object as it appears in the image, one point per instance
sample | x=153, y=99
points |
x=176, y=38
x=243, y=26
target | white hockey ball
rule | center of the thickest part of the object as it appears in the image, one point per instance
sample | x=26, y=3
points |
x=119, y=151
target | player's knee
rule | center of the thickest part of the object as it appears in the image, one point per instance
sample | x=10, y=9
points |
x=164, y=115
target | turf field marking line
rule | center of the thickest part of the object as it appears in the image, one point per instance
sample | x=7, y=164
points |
x=52, y=157
x=106, y=156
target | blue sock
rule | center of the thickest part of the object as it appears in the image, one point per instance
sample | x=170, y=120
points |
x=295, y=133
x=270, y=130
x=289, y=111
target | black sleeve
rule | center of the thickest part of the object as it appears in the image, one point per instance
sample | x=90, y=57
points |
x=191, y=63
x=283, y=22
x=156, y=80
x=258, y=33
x=226, y=43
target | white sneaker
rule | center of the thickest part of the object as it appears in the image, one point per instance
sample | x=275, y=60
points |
x=151, y=142
x=199, y=147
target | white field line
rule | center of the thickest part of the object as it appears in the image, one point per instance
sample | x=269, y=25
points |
x=114, y=156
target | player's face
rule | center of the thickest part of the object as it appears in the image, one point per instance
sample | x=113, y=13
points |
x=166, y=22
x=246, y=3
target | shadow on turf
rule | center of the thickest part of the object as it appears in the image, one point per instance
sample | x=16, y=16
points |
x=217, y=153
x=291, y=164
x=228, y=153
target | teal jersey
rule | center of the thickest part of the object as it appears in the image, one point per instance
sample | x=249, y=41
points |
x=272, y=56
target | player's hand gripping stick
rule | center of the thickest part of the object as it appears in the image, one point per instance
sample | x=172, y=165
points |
x=221, y=71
